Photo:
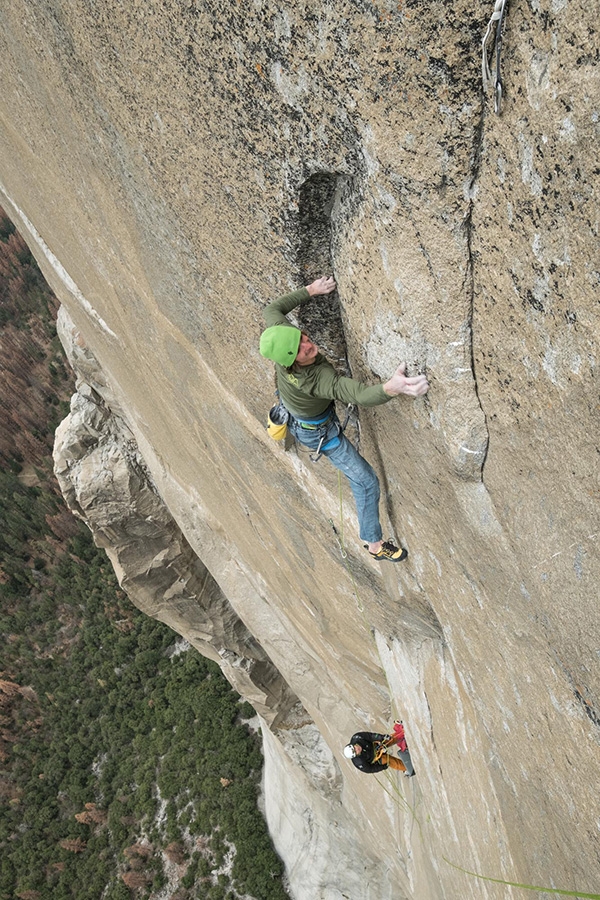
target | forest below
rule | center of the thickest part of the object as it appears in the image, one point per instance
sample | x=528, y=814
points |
x=128, y=768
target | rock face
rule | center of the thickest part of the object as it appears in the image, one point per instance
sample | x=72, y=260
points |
x=173, y=168
x=105, y=482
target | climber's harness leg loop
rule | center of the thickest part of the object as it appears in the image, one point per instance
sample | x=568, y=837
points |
x=322, y=427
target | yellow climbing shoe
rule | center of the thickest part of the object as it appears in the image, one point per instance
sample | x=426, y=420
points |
x=389, y=551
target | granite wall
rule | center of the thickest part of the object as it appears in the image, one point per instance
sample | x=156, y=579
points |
x=175, y=166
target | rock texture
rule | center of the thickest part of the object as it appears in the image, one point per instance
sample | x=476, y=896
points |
x=166, y=163
x=105, y=482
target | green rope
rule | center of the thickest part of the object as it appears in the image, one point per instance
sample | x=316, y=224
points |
x=339, y=535
x=526, y=887
x=341, y=496
x=340, y=539
x=400, y=799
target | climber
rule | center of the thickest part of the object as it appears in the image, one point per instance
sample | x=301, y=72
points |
x=307, y=385
x=367, y=751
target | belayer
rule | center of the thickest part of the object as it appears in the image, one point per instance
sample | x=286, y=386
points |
x=367, y=750
x=308, y=385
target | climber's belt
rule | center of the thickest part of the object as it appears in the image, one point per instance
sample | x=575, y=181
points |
x=314, y=424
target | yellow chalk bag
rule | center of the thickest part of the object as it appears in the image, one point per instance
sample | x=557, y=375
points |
x=277, y=422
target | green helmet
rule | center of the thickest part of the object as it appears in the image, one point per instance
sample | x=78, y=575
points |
x=280, y=343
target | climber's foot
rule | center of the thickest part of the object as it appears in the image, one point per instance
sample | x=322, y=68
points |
x=387, y=550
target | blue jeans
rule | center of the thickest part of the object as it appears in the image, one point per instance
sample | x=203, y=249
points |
x=363, y=480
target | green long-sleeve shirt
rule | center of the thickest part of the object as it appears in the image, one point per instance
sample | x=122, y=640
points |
x=307, y=393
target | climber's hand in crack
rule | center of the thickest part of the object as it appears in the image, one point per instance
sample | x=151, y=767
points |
x=323, y=285
x=400, y=383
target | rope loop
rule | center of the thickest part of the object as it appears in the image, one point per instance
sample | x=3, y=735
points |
x=496, y=17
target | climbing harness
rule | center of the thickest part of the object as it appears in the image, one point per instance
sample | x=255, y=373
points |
x=497, y=16
x=351, y=414
x=321, y=424
x=322, y=447
x=380, y=747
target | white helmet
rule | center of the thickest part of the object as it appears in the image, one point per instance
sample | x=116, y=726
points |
x=349, y=751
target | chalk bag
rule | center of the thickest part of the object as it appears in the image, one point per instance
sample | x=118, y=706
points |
x=277, y=422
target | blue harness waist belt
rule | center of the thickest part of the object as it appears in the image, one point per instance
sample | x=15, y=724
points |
x=311, y=424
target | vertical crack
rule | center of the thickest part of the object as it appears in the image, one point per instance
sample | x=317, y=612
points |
x=322, y=317
x=468, y=285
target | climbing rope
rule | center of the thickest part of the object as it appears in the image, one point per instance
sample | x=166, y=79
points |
x=393, y=791
x=399, y=798
x=498, y=17
x=339, y=536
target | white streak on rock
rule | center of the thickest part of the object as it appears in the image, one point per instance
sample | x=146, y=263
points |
x=58, y=266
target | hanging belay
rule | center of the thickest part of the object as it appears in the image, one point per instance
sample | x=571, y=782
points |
x=497, y=17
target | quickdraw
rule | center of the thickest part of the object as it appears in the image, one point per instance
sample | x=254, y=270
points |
x=497, y=16
x=339, y=540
